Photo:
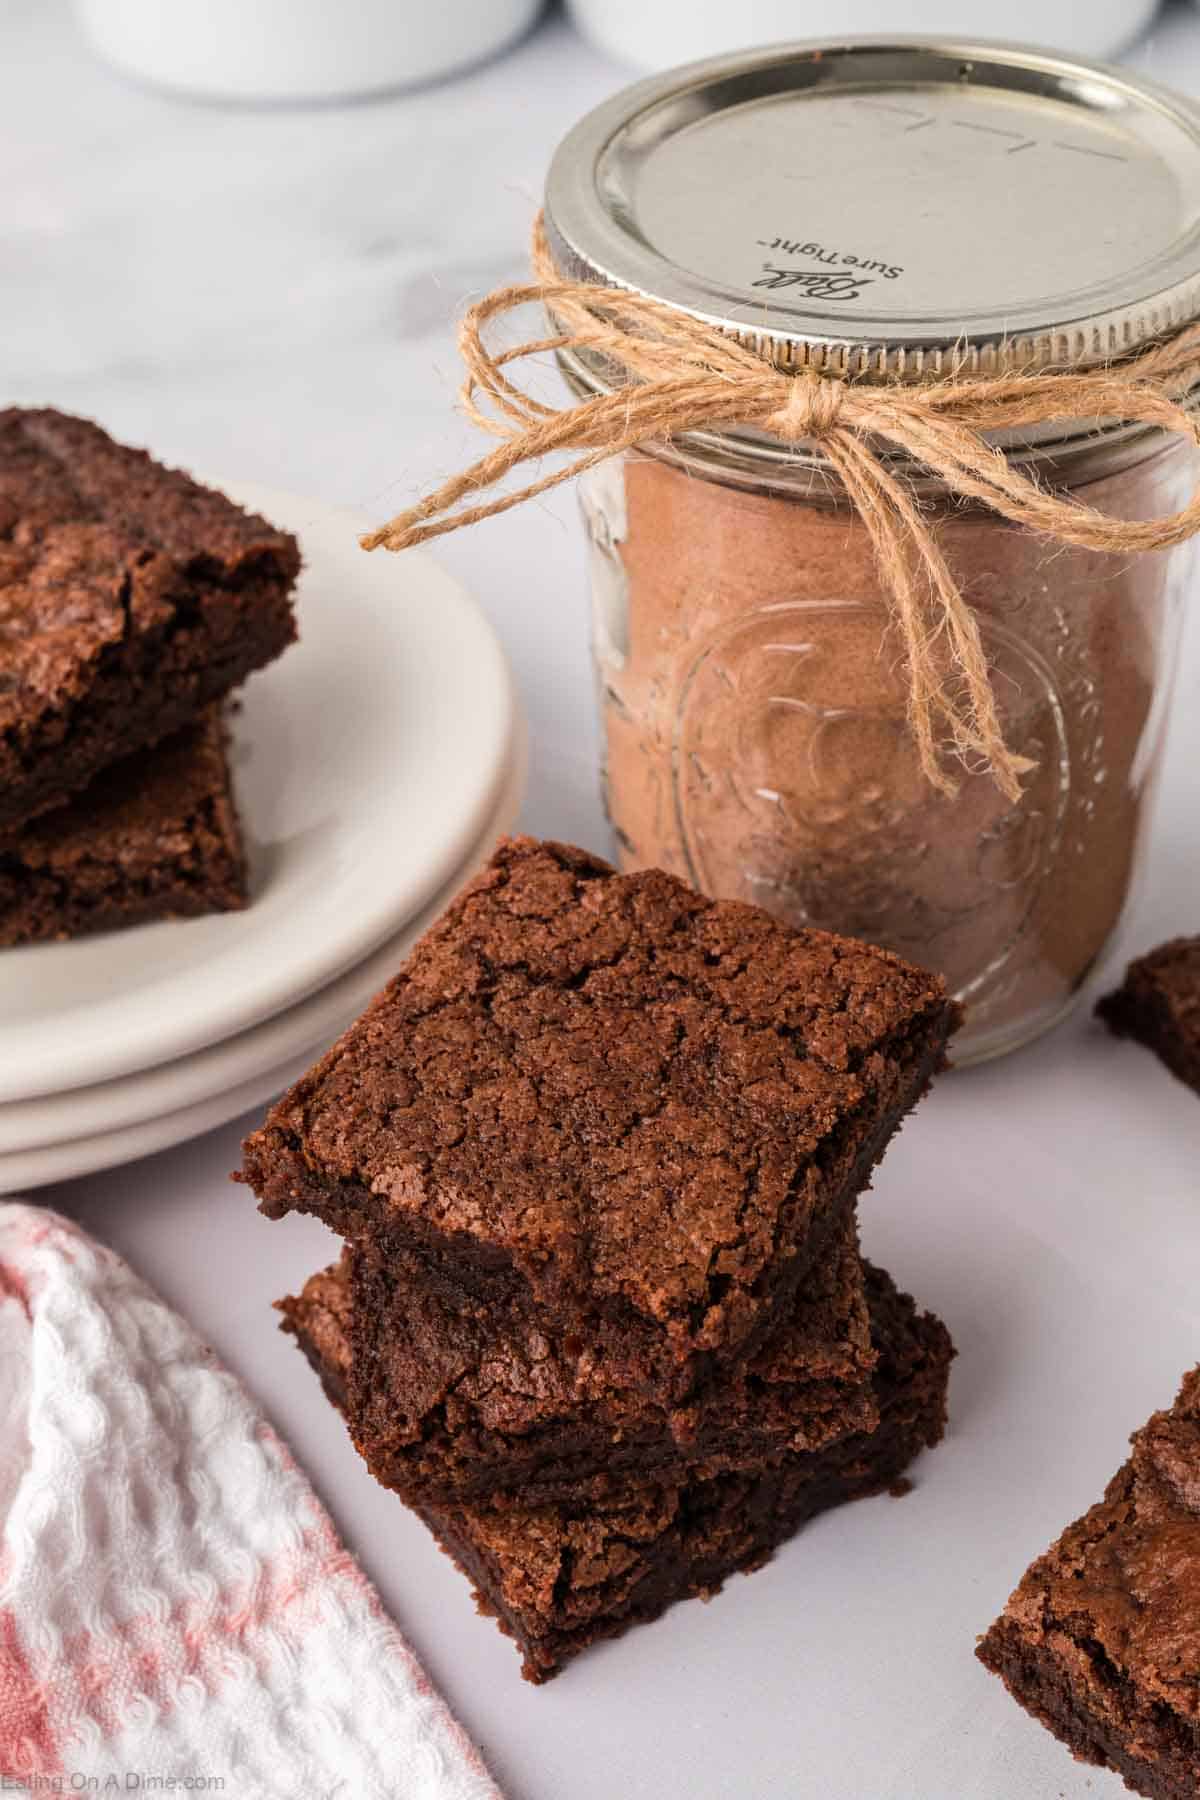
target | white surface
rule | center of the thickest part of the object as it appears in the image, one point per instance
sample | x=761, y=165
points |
x=62, y=1135
x=298, y=49
x=675, y=31
x=397, y=692
x=1047, y=1206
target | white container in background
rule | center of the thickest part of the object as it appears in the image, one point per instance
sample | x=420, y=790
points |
x=660, y=33
x=298, y=49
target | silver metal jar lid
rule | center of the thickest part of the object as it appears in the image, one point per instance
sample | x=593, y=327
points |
x=894, y=206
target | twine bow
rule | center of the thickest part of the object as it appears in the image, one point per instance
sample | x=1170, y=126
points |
x=674, y=374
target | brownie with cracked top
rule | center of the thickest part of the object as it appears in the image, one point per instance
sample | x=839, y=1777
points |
x=131, y=598
x=559, y=1578
x=1101, y=1640
x=1158, y=1003
x=637, y=1110
x=447, y=1400
x=154, y=837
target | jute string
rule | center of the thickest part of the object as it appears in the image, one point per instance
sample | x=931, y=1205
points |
x=678, y=375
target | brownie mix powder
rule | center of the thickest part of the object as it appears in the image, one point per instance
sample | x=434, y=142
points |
x=756, y=736
x=881, y=364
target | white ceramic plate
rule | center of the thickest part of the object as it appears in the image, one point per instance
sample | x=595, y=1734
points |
x=168, y=1105
x=151, y=1094
x=367, y=761
x=28, y=1169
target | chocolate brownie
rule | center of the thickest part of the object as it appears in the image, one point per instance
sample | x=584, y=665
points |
x=447, y=1401
x=1101, y=1640
x=614, y=1098
x=155, y=836
x=1158, y=1003
x=130, y=599
x=560, y=1578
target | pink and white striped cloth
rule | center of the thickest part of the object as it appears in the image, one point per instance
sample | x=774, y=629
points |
x=174, y=1601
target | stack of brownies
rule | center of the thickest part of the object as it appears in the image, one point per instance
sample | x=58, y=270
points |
x=601, y=1317
x=132, y=601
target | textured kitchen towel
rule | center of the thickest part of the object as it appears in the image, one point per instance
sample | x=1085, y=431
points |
x=176, y=1612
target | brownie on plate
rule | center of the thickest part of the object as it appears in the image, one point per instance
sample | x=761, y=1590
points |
x=1101, y=1640
x=1158, y=1003
x=447, y=1401
x=558, y=1578
x=642, y=1112
x=130, y=599
x=155, y=836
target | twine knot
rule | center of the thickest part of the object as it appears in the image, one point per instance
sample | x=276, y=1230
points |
x=812, y=409
x=675, y=374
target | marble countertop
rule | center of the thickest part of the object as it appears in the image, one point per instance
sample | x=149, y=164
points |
x=270, y=295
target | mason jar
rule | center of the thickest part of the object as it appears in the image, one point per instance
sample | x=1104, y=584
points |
x=985, y=210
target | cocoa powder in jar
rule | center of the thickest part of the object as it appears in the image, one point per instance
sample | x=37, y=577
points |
x=756, y=738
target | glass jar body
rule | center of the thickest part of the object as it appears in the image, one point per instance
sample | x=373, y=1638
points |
x=754, y=709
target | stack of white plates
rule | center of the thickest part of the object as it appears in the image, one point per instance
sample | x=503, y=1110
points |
x=376, y=764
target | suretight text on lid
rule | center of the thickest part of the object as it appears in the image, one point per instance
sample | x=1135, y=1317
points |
x=894, y=204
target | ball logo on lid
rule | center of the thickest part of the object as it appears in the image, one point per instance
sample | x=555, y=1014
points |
x=813, y=282
x=843, y=276
x=921, y=205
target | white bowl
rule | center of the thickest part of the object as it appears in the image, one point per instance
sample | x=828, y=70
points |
x=297, y=49
x=678, y=31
